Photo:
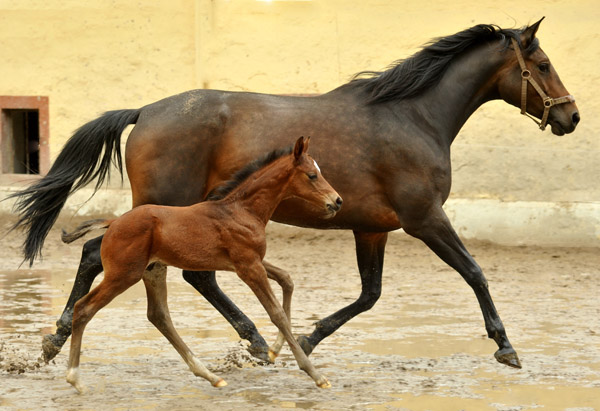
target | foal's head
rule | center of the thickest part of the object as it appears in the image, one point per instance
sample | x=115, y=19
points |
x=308, y=184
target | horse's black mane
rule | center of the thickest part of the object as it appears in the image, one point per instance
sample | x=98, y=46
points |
x=409, y=77
x=223, y=190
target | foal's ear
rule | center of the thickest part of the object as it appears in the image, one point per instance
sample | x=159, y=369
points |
x=301, y=147
x=528, y=34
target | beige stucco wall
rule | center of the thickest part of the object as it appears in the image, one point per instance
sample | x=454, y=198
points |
x=89, y=57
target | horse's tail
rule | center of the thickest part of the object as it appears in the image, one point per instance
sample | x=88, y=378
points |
x=83, y=229
x=85, y=157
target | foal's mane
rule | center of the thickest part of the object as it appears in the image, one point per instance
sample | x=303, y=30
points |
x=223, y=190
x=409, y=77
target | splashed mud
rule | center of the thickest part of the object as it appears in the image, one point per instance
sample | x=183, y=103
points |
x=422, y=347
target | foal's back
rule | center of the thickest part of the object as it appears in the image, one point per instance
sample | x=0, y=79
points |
x=199, y=237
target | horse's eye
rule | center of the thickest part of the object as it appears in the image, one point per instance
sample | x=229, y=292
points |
x=312, y=176
x=544, y=67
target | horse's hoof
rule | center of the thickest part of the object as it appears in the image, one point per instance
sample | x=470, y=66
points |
x=272, y=356
x=51, y=346
x=220, y=383
x=260, y=351
x=305, y=344
x=508, y=356
x=324, y=383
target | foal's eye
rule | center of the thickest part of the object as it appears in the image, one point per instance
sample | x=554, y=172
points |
x=312, y=176
x=544, y=67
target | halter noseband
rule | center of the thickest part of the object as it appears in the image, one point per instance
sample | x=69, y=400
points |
x=548, y=101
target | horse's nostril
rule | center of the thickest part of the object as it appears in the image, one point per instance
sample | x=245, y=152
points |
x=576, y=118
x=339, y=201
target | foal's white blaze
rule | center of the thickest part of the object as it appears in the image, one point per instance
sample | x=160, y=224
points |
x=316, y=165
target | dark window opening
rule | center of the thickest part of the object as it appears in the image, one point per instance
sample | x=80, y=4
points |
x=21, y=142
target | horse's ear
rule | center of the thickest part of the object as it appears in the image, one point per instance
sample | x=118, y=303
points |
x=528, y=34
x=300, y=147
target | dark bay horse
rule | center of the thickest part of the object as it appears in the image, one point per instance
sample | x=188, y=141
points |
x=383, y=141
x=227, y=233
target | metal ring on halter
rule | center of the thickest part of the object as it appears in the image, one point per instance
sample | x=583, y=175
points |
x=526, y=74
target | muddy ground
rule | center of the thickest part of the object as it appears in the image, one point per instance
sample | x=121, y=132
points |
x=422, y=347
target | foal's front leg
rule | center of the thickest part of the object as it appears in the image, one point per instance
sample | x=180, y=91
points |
x=287, y=286
x=255, y=275
x=158, y=314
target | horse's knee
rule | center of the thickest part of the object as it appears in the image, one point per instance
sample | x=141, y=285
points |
x=474, y=277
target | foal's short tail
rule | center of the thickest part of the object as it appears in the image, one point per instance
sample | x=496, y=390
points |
x=85, y=157
x=83, y=229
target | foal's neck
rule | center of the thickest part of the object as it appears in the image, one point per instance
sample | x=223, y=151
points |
x=262, y=192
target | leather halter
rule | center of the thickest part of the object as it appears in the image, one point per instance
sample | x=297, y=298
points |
x=527, y=77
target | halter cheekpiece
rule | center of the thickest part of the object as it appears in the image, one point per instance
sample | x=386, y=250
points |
x=548, y=101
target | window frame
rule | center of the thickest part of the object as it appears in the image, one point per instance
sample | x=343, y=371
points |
x=39, y=103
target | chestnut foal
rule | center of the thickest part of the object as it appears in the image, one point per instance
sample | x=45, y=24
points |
x=227, y=233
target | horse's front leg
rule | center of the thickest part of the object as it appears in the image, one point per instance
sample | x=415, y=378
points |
x=437, y=232
x=205, y=282
x=370, y=249
x=89, y=268
x=287, y=286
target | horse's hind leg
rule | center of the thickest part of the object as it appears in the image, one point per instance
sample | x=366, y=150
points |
x=287, y=286
x=437, y=232
x=370, y=250
x=89, y=268
x=205, y=282
x=113, y=284
x=158, y=314
x=256, y=277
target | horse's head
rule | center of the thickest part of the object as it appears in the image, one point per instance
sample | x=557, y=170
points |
x=529, y=81
x=308, y=184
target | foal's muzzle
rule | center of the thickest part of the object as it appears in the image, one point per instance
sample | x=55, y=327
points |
x=335, y=205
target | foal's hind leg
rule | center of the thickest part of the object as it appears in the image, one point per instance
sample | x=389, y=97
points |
x=89, y=268
x=287, y=286
x=113, y=284
x=158, y=314
x=256, y=277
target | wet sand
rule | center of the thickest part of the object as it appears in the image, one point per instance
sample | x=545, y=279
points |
x=422, y=347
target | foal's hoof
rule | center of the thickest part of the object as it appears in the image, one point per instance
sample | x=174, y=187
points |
x=324, y=383
x=260, y=351
x=508, y=356
x=305, y=344
x=74, y=380
x=272, y=356
x=220, y=383
x=51, y=346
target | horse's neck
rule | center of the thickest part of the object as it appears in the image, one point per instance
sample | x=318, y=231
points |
x=263, y=191
x=468, y=82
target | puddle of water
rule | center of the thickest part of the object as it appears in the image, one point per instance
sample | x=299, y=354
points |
x=517, y=397
x=427, y=345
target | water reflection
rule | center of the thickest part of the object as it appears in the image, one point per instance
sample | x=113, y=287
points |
x=26, y=298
